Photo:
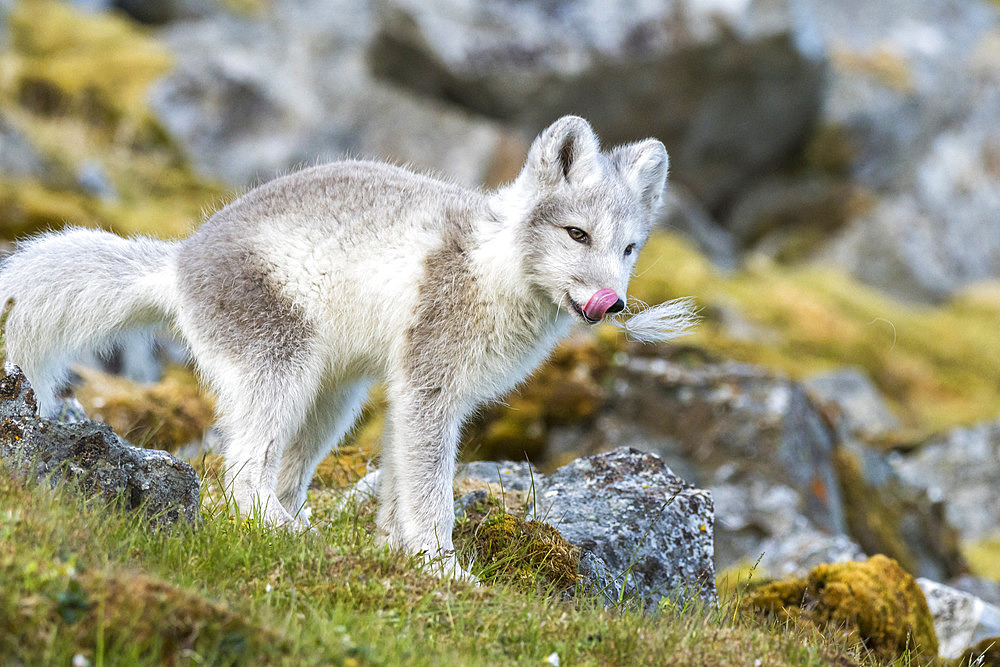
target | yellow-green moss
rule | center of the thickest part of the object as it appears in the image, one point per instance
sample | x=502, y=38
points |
x=500, y=547
x=875, y=602
x=984, y=557
x=343, y=467
x=162, y=415
x=874, y=523
x=936, y=365
x=984, y=654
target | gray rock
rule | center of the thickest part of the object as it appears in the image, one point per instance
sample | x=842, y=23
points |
x=642, y=531
x=960, y=620
x=251, y=97
x=916, y=87
x=733, y=423
x=985, y=589
x=90, y=455
x=858, y=401
x=763, y=524
x=962, y=469
x=772, y=457
x=731, y=88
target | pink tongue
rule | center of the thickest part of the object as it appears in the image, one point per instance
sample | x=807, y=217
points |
x=599, y=303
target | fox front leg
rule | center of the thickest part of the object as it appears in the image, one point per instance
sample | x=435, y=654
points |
x=424, y=427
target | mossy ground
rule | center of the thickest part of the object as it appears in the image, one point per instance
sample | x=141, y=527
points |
x=85, y=579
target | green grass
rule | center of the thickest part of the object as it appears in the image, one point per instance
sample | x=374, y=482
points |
x=79, y=579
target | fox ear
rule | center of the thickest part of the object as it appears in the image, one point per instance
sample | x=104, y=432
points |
x=644, y=165
x=567, y=150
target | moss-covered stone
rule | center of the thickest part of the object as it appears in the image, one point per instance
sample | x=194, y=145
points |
x=875, y=602
x=502, y=548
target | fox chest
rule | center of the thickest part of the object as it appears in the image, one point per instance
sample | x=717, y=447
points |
x=481, y=359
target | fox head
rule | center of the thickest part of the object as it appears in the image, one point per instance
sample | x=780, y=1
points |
x=585, y=215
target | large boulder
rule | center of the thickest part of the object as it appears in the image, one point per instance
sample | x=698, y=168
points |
x=253, y=96
x=915, y=95
x=960, y=468
x=90, y=455
x=731, y=88
x=729, y=423
x=793, y=487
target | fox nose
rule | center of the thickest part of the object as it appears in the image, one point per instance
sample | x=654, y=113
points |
x=604, y=301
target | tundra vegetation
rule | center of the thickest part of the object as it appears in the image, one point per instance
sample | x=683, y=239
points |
x=81, y=578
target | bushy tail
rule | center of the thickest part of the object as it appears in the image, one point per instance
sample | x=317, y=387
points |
x=79, y=290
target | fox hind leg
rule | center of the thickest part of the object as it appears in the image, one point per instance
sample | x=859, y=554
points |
x=333, y=414
x=260, y=412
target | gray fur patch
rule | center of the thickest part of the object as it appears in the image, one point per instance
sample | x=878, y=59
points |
x=447, y=305
x=456, y=326
x=238, y=304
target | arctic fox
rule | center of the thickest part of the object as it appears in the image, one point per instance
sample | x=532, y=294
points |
x=300, y=294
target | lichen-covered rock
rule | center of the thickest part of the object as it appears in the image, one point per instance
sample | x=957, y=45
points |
x=730, y=87
x=90, y=455
x=961, y=620
x=734, y=427
x=640, y=528
x=875, y=602
x=781, y=465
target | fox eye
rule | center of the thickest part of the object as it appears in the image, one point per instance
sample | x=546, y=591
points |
x=629, y=248
x=578, y=235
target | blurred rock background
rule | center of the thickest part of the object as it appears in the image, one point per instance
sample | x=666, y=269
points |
x=834, y=209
